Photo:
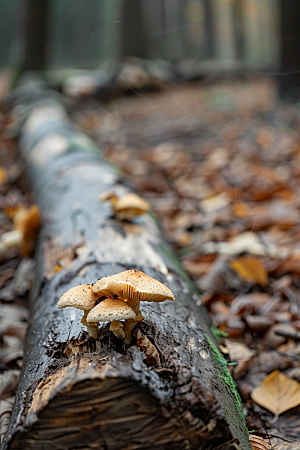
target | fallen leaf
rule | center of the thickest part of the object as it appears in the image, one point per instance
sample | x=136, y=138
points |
x=152, y=355
x=273, y=339
x=250, y=269
x=241, y=210
x=288, y=425
x=258, y=323
x=240, y=353
x=3, y=175
x=13, y=316
x=245, y=242
x=277, y=393
x=295, y=445
x=258, y=443
x=214, y=203
x=8, y=382
x=5, y=413
x=249, y=303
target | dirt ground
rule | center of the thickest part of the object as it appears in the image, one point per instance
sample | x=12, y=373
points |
x=219, y=162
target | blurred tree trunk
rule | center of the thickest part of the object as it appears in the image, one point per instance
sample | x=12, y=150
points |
x=289, y=83
x=209, y=29
x=133, y=40
x=35, y=34
x=238, y=29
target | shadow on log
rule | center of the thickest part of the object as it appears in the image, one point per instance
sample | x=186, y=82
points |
x=79, y=393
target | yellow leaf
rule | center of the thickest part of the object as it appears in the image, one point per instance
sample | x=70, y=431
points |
x=277, y=393
x=250, y=269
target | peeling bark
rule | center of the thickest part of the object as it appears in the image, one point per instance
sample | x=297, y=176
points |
x=77, y=392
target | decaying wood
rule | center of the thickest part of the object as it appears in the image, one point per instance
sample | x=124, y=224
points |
x=76, y=392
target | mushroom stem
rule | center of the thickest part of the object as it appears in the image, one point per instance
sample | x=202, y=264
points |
x=135, y=305
x=128, y=329
x=85, y=313
x=117, y=328
x=131, y=323
x=92, y=327
x=93, y=331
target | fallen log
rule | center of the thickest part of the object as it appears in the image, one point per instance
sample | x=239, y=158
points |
x=78, y=392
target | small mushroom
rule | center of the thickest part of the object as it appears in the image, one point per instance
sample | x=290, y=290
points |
x=27, y=224
x=81, y=297
x=113, y=310
x=126, y=207
x=133, y=286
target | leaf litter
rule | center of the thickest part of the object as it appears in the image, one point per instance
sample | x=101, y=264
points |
x=224, y=183
x=277, y=393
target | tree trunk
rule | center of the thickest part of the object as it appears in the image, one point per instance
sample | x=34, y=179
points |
x=133, y=37
x=77, y=392
x=289, y=79
x=36, y=28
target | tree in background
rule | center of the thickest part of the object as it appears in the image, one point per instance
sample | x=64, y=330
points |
x=36, y=20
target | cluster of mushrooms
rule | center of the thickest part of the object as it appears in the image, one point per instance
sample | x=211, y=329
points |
x=115, y=298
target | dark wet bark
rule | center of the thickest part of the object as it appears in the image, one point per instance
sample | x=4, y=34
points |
x=76, y=392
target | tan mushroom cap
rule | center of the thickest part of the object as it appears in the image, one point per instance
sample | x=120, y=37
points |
x=107, y=195
x=110, y=309
x=81, y=297
x=132, y=202
x=133, y=284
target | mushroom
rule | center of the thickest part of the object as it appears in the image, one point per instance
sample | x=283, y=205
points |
x=27, y=224
x=113, y=310
x=126, y=207
x=81, y=297
x=133, y=286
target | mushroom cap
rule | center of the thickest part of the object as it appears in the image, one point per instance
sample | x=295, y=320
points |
x=108, y=195
x=131, y=202
x=110, y=309
x=135, y=285
x=81, y=297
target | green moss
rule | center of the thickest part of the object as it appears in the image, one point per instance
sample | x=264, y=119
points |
x=223, y=372
x=218, y=335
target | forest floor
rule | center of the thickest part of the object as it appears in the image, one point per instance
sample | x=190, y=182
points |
x=220, y=164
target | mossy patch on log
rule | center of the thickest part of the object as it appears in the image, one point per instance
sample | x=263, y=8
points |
x=224, y=374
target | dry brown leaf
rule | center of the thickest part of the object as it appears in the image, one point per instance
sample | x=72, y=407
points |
x=152, y=355
x=240, y=353
x=250, y=269
x=8, y=383
x=5, y=413
x=295, y=445
x=277, y=393
x=258, y=443
x=241, y=210
x=214, y=203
